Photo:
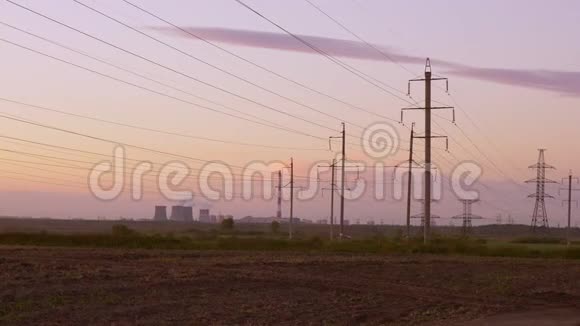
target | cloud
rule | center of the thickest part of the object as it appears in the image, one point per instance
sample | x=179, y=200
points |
x=562, y=82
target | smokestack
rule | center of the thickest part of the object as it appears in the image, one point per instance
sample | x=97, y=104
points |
x=177, y=213
x=188, y=214
x=160, y=213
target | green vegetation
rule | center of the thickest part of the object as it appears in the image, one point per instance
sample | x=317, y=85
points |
x=275, y=227
x=544, y=240
x=228, y=224
x=120, y=230
x=123, y=237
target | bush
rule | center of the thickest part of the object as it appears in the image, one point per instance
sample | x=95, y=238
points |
x=275, y=226
x=540, y=240
x=124, y=237
x=120, y=230
x=228, y=224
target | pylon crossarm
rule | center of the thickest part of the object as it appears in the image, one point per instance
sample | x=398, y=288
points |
x=534, y=195
x=541, y=165
x=536, y=180
x=432, y=108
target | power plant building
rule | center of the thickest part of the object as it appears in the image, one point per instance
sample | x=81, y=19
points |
x=177, y=213
x=204, y=216
x=188, y=213
x=160, y=213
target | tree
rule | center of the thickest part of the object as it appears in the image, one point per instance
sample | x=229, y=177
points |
x=228, y=224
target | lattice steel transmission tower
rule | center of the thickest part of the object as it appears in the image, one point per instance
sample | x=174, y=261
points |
x=540, y=216
x=467, y=215
x=422, y=214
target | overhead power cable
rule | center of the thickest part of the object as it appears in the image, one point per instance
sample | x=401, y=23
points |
x=169, y=68
x=154, y=91
x=338, y=62
x=373, y=47
x=37, y=124
x=261, y=67
x=189, y=55
x=270, y=123
x=151, y=173
x=44, y=108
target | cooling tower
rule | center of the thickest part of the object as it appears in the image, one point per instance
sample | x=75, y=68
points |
x=177, y=213
x=160, y=213
x=188, y=213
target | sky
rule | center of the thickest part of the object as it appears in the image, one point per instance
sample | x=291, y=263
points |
x=514, y=80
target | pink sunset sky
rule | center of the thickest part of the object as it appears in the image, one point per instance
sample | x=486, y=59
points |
x=513, y=69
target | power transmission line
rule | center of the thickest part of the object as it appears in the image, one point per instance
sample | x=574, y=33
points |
x=338, y=62
x=107, y=155
x=460, y=108
x=493, y=164
x=73, y=184
x=159, y=65
x=373, y=47
x=261, y=67
x=211, y=65
x=487, y=139
x=151, y=90
x=113, y=141
x=43, y=182
x=273, y=124
x=152, y=129
x=451, y=96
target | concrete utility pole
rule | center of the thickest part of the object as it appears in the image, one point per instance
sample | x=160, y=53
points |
x=342, y=181
x=426, y=229
x=569, y=201
x=427, y=191
x=409, y=182
x=291, y=184
x=291, y=197
x=279, y=211
x=332, y=189
x=569, y=209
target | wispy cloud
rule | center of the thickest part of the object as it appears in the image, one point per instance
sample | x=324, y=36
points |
x=562, y=82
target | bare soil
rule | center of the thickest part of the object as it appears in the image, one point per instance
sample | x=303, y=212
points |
x=50, y=286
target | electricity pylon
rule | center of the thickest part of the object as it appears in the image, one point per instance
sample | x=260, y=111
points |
x=540, y=215
x=467, y=216
x=291, y=185
x=422, y=215
x=332, y=189
x=428, y=108
x=342, y=173
x=411, y=161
